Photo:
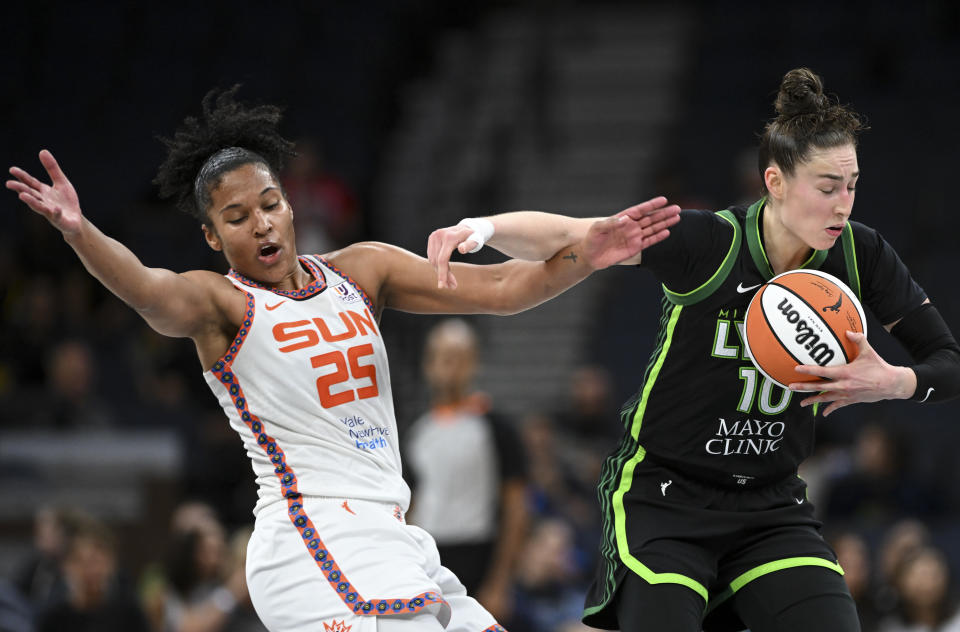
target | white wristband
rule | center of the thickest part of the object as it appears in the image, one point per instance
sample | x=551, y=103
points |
x=482, y=230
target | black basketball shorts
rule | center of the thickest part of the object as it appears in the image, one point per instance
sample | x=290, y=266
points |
x=668, y=528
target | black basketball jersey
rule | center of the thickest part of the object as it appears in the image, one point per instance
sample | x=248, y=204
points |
x=702, y=406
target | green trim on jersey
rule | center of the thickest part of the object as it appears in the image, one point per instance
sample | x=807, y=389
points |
x=755, y=243
x=850, y=259
x=711, y=284
x=620, y=514
x=629, y=447
x=766, y=569
x=654, y=372
x=626, y=477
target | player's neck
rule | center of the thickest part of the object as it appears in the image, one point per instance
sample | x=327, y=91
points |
x=784, y=250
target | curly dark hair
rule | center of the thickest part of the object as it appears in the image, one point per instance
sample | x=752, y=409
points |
x=228, y=135
x=806, y=119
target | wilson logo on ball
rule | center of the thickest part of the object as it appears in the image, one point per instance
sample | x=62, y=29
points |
x=801, y=317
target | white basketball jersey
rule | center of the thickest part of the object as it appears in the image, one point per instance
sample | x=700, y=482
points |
x=307, y=385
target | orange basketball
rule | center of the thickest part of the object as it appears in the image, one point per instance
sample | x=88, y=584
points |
x=801, y=317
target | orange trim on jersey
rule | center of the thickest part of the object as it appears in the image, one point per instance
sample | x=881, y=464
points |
x=315, y=287
x=223, y=370
x=237, y=342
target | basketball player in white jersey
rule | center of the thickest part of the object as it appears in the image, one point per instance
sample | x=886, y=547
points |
x=291, y=347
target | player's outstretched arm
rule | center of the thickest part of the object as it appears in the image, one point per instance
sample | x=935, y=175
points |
x=530, y=235
x=173, y=304
x=402, y=280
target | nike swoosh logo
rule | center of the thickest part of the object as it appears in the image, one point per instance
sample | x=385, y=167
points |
x=741, y=289
x=799, y=501
x=927, y=396
x=270, y=308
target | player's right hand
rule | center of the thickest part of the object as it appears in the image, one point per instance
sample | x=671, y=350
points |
x=56, y=201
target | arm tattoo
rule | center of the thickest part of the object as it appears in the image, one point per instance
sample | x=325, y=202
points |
x=572, y=256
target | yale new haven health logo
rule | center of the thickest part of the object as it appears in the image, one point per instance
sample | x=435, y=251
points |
x=346, y=293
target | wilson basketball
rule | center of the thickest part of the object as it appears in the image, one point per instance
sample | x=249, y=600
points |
x=801, y=317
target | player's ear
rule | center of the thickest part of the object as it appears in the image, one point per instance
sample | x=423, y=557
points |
x=773, y=178
x=213, y=239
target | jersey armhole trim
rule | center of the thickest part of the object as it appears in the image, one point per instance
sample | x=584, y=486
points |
x=718, y=277
x=348, y=279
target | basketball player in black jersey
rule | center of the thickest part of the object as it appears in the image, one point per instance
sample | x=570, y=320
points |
x=706, y=523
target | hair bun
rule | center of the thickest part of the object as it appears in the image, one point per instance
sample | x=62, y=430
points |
x=801, y=92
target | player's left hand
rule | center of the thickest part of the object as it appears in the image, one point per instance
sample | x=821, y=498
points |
x=868, y=378
x=623, y=236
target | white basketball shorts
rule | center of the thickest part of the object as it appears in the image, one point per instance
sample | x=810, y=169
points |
x=335, y=564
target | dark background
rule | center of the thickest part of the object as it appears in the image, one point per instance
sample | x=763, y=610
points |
x=96, y=83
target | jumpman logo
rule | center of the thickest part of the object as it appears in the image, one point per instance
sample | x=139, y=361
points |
x=664, y=486
x=835, y=307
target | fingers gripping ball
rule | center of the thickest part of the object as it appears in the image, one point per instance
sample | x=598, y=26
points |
x=801, y=317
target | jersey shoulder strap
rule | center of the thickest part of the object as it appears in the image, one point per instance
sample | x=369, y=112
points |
x=716, y=280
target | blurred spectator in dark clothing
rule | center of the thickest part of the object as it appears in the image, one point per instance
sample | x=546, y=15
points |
x=244, y=618
x=71, y=401
x=96, y=600
x=326, y=208
x=877, y=488
x=922, y=584
x=550, y=588
x=40, y=578
x=15, y=613
x=202, y=587
x=588, y=424
x=468, y=470
x=30, y=327
x=218, y=469
x=75, y=297
x=556, y=491
x=590, y=415
x=900, y=541
x=853, y=555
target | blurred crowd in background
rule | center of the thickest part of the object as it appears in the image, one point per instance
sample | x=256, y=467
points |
x=75, y=362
